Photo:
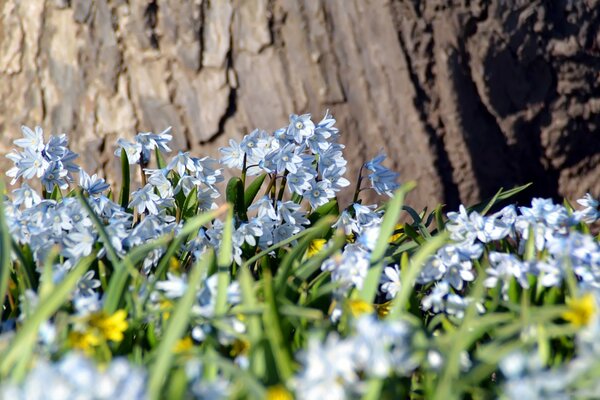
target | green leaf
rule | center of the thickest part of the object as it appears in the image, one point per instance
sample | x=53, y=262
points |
x=160, y=161
x=318, y=231
x=175, y=328
x=126, y=176
x=390, y=220
x=235, y=195
x=190, y=205
x=224, y=265
x=409, y=275
x=328, y=208
x=257, y=355
x=276, y=246
x=274, y=333
x=56, y=194
x=5, y=249
x=253, y=189
x=486, y=205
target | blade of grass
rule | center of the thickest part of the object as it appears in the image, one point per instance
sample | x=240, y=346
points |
x=276, y=246
x=253, y=189
x=224, y=264
x=5, y=249
x=271, y=320
x=285, y=268
x=257, y=356
x=175, y=328
x=409, y=275
x=392, y=214
x=126, y=176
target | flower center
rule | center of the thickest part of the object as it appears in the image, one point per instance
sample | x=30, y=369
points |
x=299, y=125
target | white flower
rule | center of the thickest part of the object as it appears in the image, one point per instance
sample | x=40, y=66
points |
x=391, y=282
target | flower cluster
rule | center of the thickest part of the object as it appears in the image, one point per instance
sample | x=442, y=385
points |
x=280, y=291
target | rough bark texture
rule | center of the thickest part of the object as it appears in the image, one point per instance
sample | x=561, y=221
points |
x=464, y=96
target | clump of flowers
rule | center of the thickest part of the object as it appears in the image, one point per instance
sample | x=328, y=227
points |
x=267, y=286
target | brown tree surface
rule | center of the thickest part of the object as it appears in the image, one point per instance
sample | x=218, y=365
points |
x=464, y=96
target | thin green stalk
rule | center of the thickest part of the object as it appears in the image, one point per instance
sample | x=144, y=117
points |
x=175, y=328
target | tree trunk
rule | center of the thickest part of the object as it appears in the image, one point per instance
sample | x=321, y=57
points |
x=464, y=96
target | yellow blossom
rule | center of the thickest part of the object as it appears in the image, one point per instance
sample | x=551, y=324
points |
x=580, y=310
x=278, y=392
x=315, y=246
x=183, y=345
x=359, y=307
x=84, y=340
x=174, y=264
x=110, y=327
x=400, y=229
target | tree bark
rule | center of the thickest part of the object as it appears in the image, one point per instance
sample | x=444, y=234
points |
x=464, y=96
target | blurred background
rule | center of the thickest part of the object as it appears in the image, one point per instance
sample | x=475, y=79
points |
x=465, y=96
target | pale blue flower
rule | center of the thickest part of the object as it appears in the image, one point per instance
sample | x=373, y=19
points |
x=26, y=196
x=55, y=176
x=300, y=128
x=182, y=162
x=249, y=232
x=591, y=212
x=383, y=180
x=391, y=281
x=299, y=181
x=250, y=143
x=133, y=150
x=174, y=287
x=87, y=284
x=145, y=199
x=93, y=185
x=319, y=193
x=233, y=156
x=150, y=141
x=503, y=268
x=287, y=159
x=32, y=140
x=56, y=148
x=79, y=243
x=30, y=164
x=159, y=180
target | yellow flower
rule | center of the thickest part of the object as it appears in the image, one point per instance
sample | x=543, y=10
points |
x=580, y=310
x=315, y=246
x=278, y=392
x=110, y=327
x=174, y=264
x=84, y=340
x=183, y=345
x=400, y=229
x=383, y=309
x=359, y=307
